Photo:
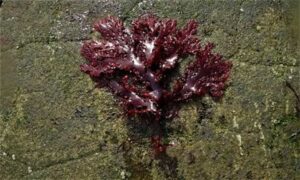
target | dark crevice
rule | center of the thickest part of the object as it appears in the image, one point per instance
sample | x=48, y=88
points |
x=64, y=161
x=126, y=14
x=297, y=106
x=22, y=45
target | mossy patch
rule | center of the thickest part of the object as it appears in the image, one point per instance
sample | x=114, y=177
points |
x=54, y=124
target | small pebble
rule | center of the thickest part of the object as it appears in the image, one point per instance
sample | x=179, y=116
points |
x=29, y=169
x=13, y=157
x=123, y=174
x=258, y=28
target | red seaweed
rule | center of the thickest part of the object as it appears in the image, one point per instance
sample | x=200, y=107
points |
x=135, y=63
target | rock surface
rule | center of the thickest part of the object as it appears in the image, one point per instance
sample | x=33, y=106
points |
x=54, y=124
